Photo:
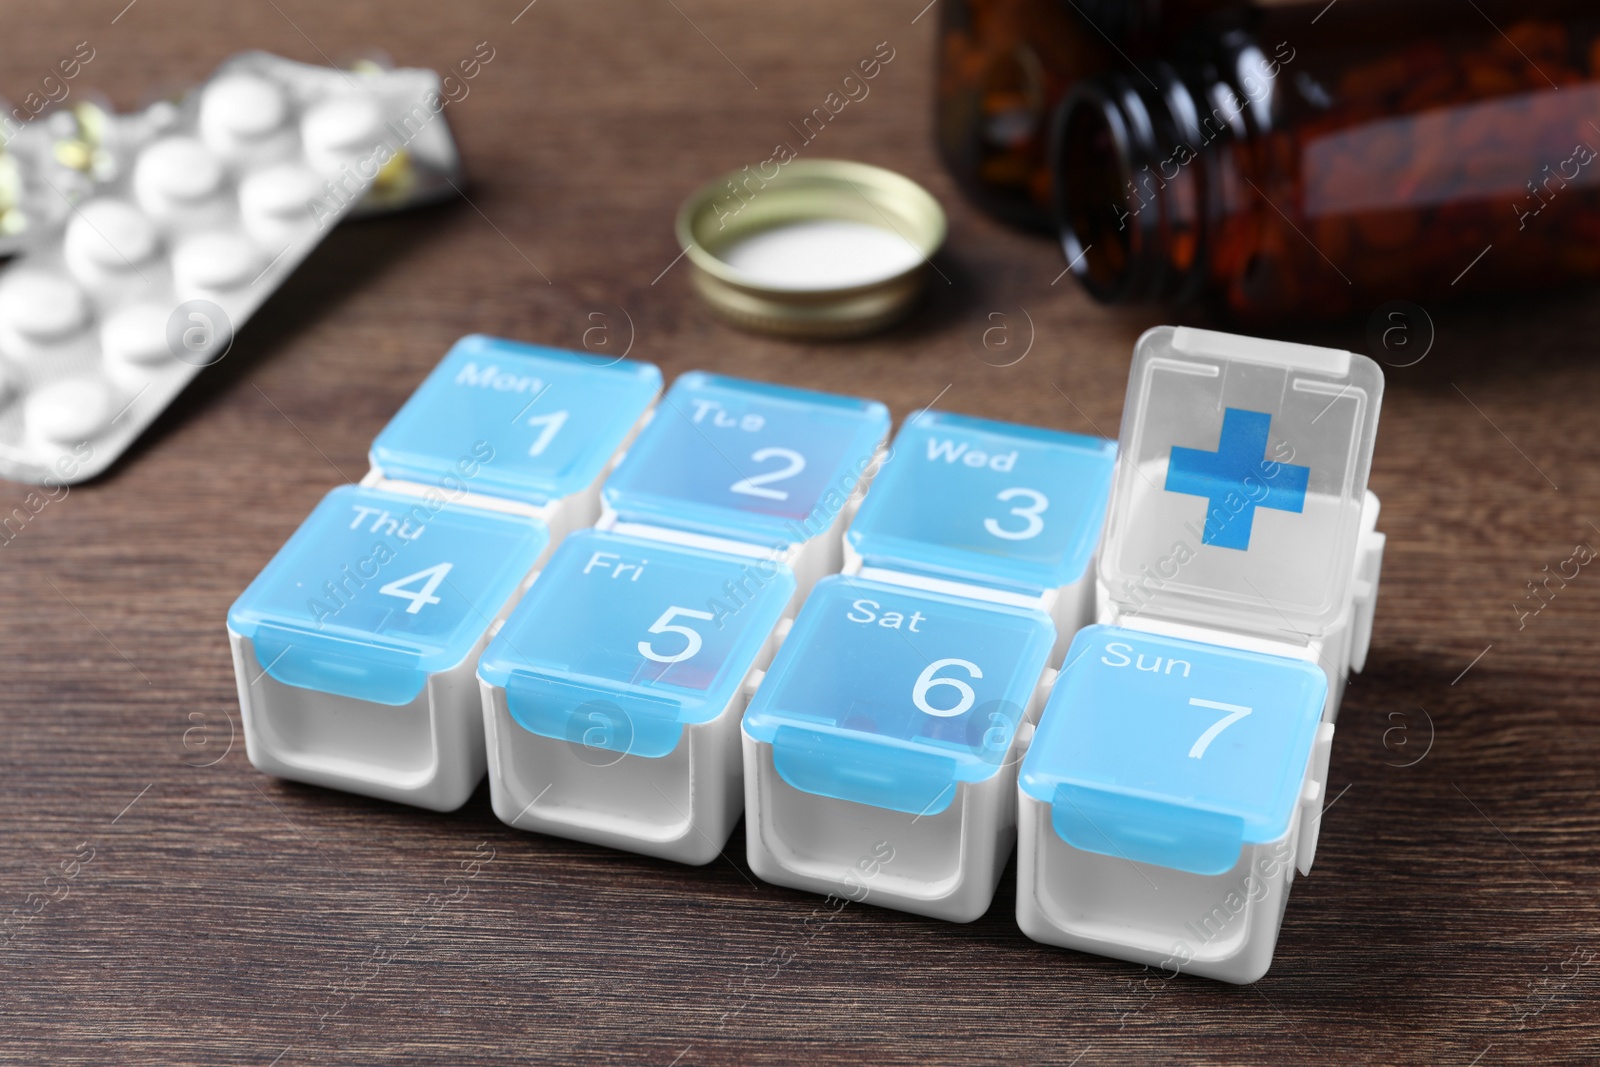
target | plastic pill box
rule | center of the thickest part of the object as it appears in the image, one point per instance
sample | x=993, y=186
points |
x=1176, y=779
x=356, y=649
x=549, y=424
x=613, y=694
x=890, y=718
x=892, y=740
x=1177, y=786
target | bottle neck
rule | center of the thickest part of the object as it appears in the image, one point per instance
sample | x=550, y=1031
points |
x=1138, y=157
x=1149, y=22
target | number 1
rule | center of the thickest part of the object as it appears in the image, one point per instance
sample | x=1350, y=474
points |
x=1235, y=713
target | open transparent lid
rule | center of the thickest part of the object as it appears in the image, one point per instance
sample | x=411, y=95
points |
x=1237, y=501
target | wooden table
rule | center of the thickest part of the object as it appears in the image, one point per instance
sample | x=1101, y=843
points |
x=226, y=917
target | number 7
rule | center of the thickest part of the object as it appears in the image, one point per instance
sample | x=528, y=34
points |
x=550, y=426
x=1235, y=713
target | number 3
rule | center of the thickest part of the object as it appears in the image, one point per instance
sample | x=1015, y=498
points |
x=926, y=681
x=1030, y=512
x=664, y=625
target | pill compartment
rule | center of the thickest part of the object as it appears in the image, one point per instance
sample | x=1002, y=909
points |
x=1240, y=503
x=612, y=696
x=1177, y=773
x=500, y=423
x=881, y=748
x=748, y=468
x=1166, y=799
x=968, y=502
x=355, y=648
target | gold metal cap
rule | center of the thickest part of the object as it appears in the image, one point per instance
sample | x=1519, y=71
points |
x=727, y=213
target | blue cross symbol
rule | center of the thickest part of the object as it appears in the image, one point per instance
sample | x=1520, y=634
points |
x=1235, y=479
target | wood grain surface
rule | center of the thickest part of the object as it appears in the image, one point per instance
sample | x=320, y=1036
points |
x=229, y=918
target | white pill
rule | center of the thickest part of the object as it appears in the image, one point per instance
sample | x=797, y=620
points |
x=239, y=109
x=69, y=411
x=276, y=202
x=214, y=263
x=342, y=130
x=108, y=237
x=175, y=173
x=41, y=307
x=136, y=334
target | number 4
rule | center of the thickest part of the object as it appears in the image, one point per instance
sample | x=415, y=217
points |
x=1235, y=713
x=418, y=597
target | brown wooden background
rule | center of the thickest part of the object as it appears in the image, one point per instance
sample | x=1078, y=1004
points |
x=1453, y=916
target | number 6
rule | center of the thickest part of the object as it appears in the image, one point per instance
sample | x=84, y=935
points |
x=926, y=681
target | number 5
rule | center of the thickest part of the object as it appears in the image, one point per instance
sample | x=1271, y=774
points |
x=1235, y=713
x=1029, y=512
x=664, y=625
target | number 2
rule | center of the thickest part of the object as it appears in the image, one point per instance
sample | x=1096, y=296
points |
x=1029, y=512
x=1235, y=713
x=552, y=424
x=419, y=597
x=664, y=625
x=756, y=484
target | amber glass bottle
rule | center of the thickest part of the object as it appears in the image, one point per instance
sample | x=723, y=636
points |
x=1320, y=160
x=1004, y=66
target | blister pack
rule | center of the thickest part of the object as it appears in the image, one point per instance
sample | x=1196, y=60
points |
x=150, y=239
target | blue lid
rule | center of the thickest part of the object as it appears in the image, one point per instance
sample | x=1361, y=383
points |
x=890, y=697
x=989, y=502
x=746, y=460
x=1173, y=752
x=375, y=591
x=622, y=641
x=518, y=421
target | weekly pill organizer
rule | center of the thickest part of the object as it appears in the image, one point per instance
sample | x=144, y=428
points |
x=643, y=615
